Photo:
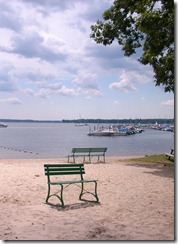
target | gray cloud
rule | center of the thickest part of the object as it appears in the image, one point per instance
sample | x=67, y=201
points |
x=7, y=81
x=106, y=52
x=9, y=18
x=32, y=45
x=95, y=9
x=33, y=75
x=109, y=57
x=55, y=5
x=91, y=10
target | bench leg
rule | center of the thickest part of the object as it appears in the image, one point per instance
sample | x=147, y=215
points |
x=48, y=195
x=59, y=197
x=83, y=191
x=71, y=157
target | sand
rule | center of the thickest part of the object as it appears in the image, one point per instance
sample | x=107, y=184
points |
x=136, y=203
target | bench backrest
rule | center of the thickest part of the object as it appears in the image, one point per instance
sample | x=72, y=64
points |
x=99, y=149
x=64, y=169
x=81, y=150
x=88, y=150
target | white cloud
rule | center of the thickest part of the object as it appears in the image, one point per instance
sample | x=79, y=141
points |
x=11, y=100
x=46, y=90
x=138, y=76
x=87, y=83
x=124, y=84
x=129, y=78
x=168, y=103
x=28, y=91
x=86, y=80
x=89, y=92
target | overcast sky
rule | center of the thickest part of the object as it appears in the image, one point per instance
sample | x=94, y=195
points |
x=50, y=68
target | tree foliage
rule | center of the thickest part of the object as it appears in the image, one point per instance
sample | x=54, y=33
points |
x=143, y=24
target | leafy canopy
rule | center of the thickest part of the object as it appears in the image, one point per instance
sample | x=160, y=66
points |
x=145, y=24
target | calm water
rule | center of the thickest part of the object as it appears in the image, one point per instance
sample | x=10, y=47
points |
x=51, y=140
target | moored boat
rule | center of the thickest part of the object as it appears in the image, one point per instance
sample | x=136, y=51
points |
x=120, y=133
x=101, y=132
x=81, y=124
x=3, y=126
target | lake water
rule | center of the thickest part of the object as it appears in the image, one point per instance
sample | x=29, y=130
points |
x=53, y=140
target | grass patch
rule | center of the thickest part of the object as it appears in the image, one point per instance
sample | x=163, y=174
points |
x=155, y=159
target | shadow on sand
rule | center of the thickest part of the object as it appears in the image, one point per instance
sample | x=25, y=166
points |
x=74, y=206
x=161, y=170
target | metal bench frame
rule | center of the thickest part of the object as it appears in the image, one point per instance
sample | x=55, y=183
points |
x=68, y=169
x=87, y=152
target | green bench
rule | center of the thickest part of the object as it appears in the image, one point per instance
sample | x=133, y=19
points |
x=171, y=154
x=87, y=152
x=53, y=170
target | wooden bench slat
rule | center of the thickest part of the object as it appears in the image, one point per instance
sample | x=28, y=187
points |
x=67, y=169
x=61, y=165
x=71, y=182
x=64, y=173
x=79, y=155
x=82, y=149
x=99, y=149
x=63, y=168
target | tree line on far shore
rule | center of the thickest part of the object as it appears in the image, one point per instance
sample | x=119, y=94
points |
x=95, y=121
x=121, y=121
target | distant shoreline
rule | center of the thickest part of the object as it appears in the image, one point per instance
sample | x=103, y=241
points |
x=95, y=121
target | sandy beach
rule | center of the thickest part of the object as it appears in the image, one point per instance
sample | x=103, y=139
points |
x=136, y=202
